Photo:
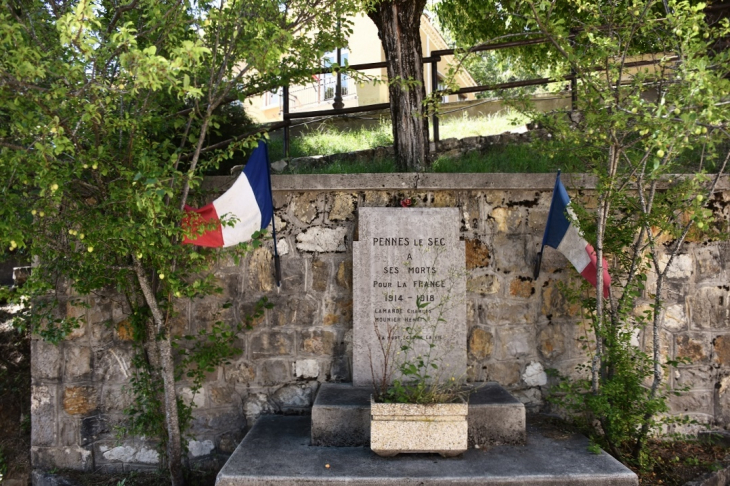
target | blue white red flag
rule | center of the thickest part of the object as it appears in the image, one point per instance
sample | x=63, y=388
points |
x=248, y=202
x=568, y=239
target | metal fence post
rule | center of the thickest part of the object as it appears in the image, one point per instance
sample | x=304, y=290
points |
x=337, y=104
x=285, y=92
x=434, y=88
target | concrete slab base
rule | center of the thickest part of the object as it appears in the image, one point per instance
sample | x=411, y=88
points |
x=277, y=452
x=341, y=416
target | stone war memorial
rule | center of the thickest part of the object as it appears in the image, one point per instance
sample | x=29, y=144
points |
x=359, y=270
x=409, y=271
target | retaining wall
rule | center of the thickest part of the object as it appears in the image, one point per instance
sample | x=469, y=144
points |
x=517, y=327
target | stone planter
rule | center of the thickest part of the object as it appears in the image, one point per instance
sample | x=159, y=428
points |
x=408, y=428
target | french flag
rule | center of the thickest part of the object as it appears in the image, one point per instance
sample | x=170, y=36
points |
x=248, y=202
x=567, y=239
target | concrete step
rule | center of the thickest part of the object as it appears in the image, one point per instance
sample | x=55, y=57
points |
x=277, y=452
x=341, y=416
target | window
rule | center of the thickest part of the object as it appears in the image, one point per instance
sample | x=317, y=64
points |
x=273, y=98
x=328, y=81
x=439, y=87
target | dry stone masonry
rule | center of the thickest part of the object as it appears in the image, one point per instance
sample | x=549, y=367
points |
x=516, y=328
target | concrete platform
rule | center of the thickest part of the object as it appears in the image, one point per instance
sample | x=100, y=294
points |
x=277, y=452
x=341, y=416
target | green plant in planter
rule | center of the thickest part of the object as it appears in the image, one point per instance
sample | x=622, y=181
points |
x=413, y=354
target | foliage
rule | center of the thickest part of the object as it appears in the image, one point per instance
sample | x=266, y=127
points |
x=494, y=67
x=107, y=113
x=198, y=355
x=650, y=89
x=420, y=379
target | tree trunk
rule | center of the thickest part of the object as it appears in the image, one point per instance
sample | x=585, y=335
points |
x=399, y=23
x=167, y=370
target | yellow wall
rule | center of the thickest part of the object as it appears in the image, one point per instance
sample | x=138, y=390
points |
x=365, y=47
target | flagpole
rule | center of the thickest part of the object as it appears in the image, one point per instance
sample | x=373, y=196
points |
x=538, y=258
x=277, y=262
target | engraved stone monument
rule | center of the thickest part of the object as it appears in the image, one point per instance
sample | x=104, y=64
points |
x=406, y=257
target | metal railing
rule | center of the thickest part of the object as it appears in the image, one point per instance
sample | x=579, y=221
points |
x=338, y=89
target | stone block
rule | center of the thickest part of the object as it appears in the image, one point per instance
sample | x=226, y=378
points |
x=294, y=398
x=495, y=416
x=483, y=284
x=682, y=266
x=692, y=346
x=275, y=372
x=412, y=428
x=481, y=343
x=320, y=275
x=515, y=342
x=306, y=368
x=256, y=404
x=692, y=402
x=507, y=220
x=554, y=303
x=710, y=308
x=261, y=270
x=710, y=264
x=551, y=341
x=77, y=363
x=341, y=416
x=200, y=448
x=112, y=364
x=272, y=343
x=534, y=375
x=344, y=275
x=304, y=206
x=227, y=442
x=282, y=245
x=338, y=311
x=343, y=207
x=292, y=274
x=675, y=318
x=322, y=240
x=43, y=418
x=317, y=343
x=94, y=428
x=115, y=398
x=223, y=395
x=245, y=312
x=721, y=345
x=45, y=360
x=130, y=454
x=240, y=371
x=68, y=431
x=124, y=330
x=72, y=457
x=80, y=400
x=521, y=287
x=701, y=377
x=510, y=254
x=506, y=373
x=187, y=395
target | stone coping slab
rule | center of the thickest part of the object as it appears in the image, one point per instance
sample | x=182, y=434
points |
x=423, y=181
x=276, y=452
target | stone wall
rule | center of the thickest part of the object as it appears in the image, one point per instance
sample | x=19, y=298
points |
x=517, y=327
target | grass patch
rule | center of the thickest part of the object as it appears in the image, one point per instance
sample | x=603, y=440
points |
x=523, y=157
x=375, y=166
x=465, y=126
x=330, y=140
